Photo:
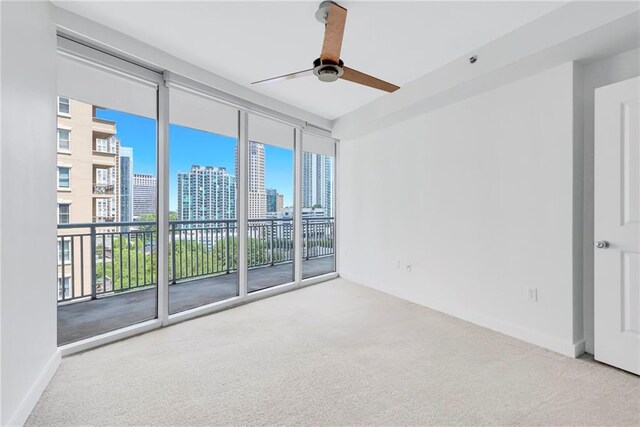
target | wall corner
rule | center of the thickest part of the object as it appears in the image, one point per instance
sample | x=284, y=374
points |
x=578, y=205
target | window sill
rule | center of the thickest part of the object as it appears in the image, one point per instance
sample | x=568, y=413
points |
x=65, y=189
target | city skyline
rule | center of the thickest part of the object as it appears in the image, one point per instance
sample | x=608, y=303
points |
x=194, y=147
x=317, y=181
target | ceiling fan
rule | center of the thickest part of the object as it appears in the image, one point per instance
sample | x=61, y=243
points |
x=329, y=67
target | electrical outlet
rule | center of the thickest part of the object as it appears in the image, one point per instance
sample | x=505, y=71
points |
x=532, y=294
x=409, y=268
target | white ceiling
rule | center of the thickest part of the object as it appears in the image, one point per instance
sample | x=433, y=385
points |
x=248, y=41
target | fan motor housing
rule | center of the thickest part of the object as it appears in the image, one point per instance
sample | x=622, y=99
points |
x=328, y=71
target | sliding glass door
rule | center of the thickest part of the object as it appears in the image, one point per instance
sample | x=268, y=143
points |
x=203, y=223
x=270, y=204
x=318, y=206
x=106, y=188
x=175, y=199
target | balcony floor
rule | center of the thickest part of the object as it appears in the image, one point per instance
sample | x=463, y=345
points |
x=86, y=319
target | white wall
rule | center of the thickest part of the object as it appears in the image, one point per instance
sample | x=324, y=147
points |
x=27, y=207
x=478, y=197
x=600, y=73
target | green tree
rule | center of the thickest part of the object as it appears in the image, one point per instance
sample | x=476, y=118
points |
x=220, y=250
x=129, y=263
x=151, y=217
x=192, y=258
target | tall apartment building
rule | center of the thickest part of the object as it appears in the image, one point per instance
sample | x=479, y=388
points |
x=257, y=192
x=145, y=194
x=87, y=160
x=88, y=180
x=126, y=184
x=206, y=193
x=275, y=201
x=279, y=202
x=317, y=182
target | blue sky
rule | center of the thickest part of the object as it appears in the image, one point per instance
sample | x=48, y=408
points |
x=190, y=146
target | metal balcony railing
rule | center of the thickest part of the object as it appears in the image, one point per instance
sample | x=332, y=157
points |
x=106, y=259
x=106, y=189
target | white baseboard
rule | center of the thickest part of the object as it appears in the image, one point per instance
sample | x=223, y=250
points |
x=533, y=337
x=31, y=398
x=579, y=348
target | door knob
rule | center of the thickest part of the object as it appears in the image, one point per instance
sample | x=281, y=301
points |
x=601, y=244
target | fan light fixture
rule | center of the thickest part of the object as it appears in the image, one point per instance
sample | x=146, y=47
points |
x=329, y=67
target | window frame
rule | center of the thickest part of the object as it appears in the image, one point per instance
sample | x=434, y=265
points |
x=68, y=213
x=61, y=113
x=166, y=80
x=64, y=283
x=68, y=130
x=63, y=242
x=68, y=187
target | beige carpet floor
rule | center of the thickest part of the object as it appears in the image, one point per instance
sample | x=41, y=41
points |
x=333, y=354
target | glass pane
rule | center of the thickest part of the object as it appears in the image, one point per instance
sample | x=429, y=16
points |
x=203, y=210
x=270, y=220
x=63, y=105
x=63, y=213
x=63, y=139
x=318, y=225
x=107, y=272
x=64, y=177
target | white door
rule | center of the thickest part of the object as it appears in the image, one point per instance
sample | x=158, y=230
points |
x=617, y=225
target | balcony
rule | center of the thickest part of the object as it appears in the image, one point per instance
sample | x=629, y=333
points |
x=102, y=219
x=106, y=146
x=103, y=189
x=111, y=275
x=103, y=126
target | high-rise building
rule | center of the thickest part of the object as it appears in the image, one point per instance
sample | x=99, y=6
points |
x=279, y=202
x=206, y=193
x=257, y=192
x=271, y=199
x=327, y=187
x=88, y=184
x=275, y=201
x=317, y=182
x=145, y=194
x=126, y=184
